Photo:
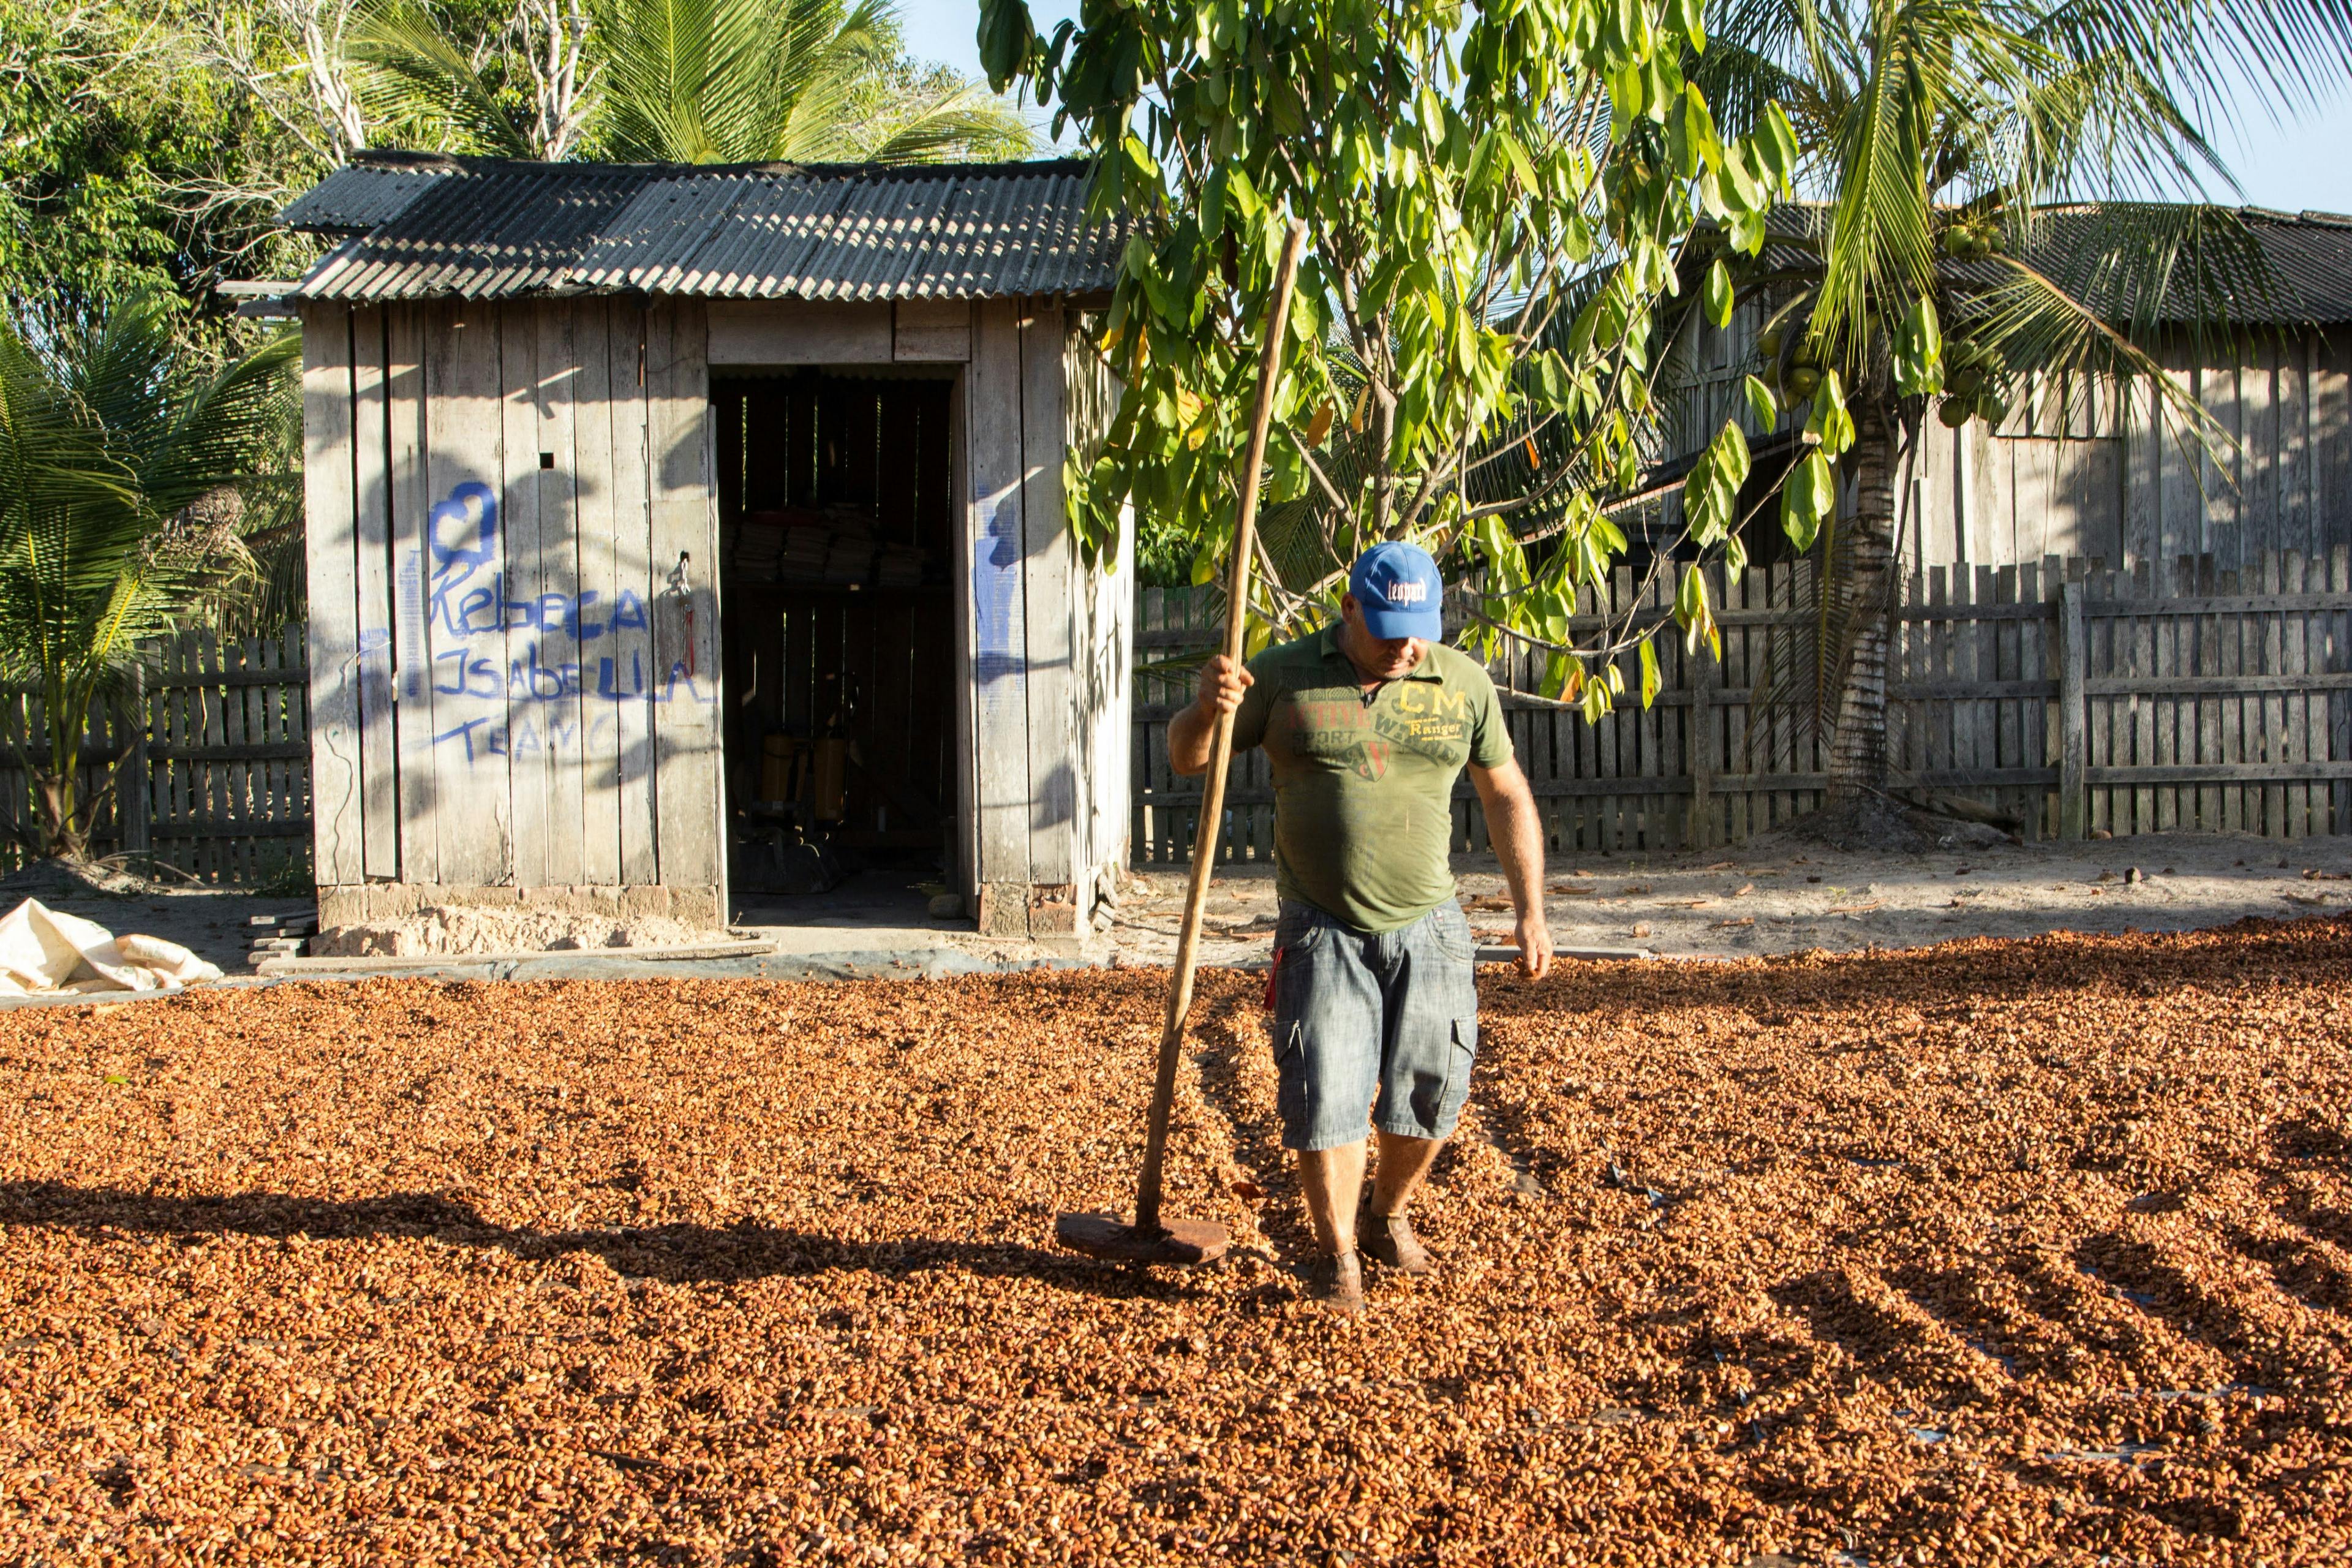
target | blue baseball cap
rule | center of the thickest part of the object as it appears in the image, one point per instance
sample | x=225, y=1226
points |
x=1398, y=588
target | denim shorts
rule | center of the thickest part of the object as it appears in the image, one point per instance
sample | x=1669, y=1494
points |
x=1383, y=1023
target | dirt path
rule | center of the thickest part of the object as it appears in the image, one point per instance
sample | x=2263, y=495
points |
x=1776, y=896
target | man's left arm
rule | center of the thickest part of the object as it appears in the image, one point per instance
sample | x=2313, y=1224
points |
x=1515, y=831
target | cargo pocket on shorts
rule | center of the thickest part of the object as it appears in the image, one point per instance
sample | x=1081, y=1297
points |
x=1457, y=1081
x=1290, y=1072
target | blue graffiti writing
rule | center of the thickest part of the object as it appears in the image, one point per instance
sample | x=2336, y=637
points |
x=481, y=738
x=489, y=609
x=472, y=509
x=462, y=539
x=995, y=598
x=546, y=691
x=529, y=679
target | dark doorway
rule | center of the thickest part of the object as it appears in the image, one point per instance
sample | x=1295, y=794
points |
x=835, y=498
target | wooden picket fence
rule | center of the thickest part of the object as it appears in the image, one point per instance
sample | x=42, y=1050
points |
x=2065, y=697
x=215, y=774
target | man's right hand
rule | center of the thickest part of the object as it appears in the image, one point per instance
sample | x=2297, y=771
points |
x=1222, y=684
x=1192, y=733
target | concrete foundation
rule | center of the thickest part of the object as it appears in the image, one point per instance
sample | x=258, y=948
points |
x=378, y=903
x=1028, y=910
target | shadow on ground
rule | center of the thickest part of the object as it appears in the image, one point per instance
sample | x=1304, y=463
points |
x=673, y=1254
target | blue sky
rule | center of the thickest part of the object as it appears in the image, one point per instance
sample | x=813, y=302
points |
x=2307, y=162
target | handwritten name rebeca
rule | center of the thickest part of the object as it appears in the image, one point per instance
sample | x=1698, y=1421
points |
x=458, y=605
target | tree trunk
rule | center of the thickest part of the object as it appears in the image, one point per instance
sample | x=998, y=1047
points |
x=1858, y=758
x=60, y=838
x=64, y=835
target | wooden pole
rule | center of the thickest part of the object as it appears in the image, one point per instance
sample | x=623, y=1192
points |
x=1220, y=748
x=2074, y=664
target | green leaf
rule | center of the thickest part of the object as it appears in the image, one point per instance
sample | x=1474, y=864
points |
x=1829, y=424
x=1807, y=498
x=1520, y=165
x=1919, y=351
x=1717, y=294
x=1007, y=37
x=1555, y=675
x=1690, y=16
x=1649, y=672
x=1761, y=405
x=1777, y=144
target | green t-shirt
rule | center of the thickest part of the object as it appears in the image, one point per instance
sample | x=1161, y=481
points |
x=1363, y=782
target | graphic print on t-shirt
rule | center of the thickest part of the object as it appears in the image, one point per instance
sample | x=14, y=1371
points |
x=1427, y=717
x=1338, y=734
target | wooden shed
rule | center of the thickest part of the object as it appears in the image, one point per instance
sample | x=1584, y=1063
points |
x=2085, y=470
x=662, y=517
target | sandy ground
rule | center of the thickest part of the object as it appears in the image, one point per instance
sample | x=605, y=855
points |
x=1779, y=896
x=1769, y=897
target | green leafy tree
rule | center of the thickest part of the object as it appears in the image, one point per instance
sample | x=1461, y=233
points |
x=124, y=160
x=523, y=87
x=125, y=456
x=1950, y=147
x=1495, y=198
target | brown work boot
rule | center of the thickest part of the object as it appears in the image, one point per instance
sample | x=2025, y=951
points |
x=1390, y=1241
x=1337, y=1284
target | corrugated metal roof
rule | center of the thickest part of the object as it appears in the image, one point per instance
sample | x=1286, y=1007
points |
x=2308, y=256
x=358, y=196
x=477, y=228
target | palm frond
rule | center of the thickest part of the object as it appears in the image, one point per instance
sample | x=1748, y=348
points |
x=684, y=80
x=1881, y=245
x=703, y=82
x=123, y=457
x=413, y=71
x=965, y=122
x=823, y=63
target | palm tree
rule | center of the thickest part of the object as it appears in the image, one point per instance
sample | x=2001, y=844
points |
x=1981, y=171
x=730, y=82
x=124, y=455
x=682, y=81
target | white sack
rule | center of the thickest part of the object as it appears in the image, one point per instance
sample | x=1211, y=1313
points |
x=42, y=949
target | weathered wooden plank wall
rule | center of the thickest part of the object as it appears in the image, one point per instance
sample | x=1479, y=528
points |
x=689, y=818
x=1033, y=620
x=329, y=398
x=512, y=529
x=2200, y=698
x=998, y=653
x=515, y=527
x=1105, y=600
x=2092, y=469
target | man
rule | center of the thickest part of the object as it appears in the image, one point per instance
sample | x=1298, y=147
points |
x=1366, y=725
